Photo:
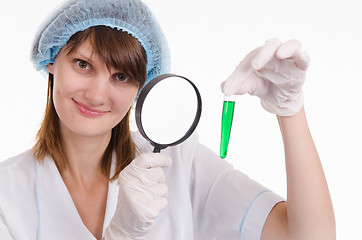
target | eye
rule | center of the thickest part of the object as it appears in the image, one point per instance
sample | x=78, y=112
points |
x=83, y=64
x=120, y=77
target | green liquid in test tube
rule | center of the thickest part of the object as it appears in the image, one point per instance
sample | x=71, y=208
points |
x=226, y=122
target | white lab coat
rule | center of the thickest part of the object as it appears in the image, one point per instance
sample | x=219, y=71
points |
x=208, y=199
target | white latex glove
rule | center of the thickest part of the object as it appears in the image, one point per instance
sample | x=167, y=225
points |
x=142, y=196
x=275, y=73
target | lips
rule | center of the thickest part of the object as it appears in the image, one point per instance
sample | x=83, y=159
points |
x=87, y=111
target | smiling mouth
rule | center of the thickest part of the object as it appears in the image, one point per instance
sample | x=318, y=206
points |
x=87, y=111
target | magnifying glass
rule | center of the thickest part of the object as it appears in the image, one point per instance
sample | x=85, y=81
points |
x=168, y=110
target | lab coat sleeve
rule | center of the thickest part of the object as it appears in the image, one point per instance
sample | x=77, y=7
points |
x=4, y=232
x=226, y=203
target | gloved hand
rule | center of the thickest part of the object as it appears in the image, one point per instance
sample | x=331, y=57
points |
x=142, y=196
x=275, y=73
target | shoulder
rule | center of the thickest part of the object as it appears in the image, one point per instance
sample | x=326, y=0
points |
x=18, y=162
x=18, y=169
x=17, y=198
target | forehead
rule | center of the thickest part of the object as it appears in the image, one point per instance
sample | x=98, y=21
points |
x=84, y=50
x=95, y=45
x=116, y=49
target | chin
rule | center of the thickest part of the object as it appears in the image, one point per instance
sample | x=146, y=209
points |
x=88, y=130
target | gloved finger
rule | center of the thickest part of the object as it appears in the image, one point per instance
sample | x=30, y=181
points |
x=150, y=160
x=155, y=175
x=145, y=177
x=160, y=190
x=158, y=205
x=302, y=61
x=249, y=86
x=232, y=83
x=241, y=74
x=289, y=49
x=266, y=53
x=148, y=192
x=148, y=211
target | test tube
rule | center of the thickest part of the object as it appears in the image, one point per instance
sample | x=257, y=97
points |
x=226, y=122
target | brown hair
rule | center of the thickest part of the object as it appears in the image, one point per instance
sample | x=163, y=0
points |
x=121, y=51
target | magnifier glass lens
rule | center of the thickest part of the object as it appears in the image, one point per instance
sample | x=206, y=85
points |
x=168, y=111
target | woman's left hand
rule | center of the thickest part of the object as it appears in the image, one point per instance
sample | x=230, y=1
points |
x=142, y=196
x=275, y=73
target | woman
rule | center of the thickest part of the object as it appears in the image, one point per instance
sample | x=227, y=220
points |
x=88, y=177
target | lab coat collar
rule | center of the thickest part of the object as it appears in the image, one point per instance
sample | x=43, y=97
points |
x=58, y=216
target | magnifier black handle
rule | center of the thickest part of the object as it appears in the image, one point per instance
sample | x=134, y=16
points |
x=156, y=150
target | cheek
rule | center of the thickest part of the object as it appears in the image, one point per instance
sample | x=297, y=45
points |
x=62, y=90
x=57, y=94
x=123, y=101
x=65, y=82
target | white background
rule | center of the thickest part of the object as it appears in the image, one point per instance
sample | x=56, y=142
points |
x=207, y=40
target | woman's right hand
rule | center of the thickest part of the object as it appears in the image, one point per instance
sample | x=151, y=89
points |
x=142, y=196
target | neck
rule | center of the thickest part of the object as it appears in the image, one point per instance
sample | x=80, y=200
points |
x=84, y=157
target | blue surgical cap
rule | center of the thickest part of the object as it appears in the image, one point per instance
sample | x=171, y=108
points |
x=132, y=16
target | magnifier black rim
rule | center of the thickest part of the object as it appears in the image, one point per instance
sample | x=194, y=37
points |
x=141, y=98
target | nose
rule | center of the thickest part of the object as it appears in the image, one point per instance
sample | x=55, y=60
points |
x=97, y=90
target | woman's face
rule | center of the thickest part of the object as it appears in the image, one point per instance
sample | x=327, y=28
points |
x=89, y=98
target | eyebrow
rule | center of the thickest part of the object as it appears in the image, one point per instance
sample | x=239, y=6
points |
x=88, y=59
x=81, y=55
